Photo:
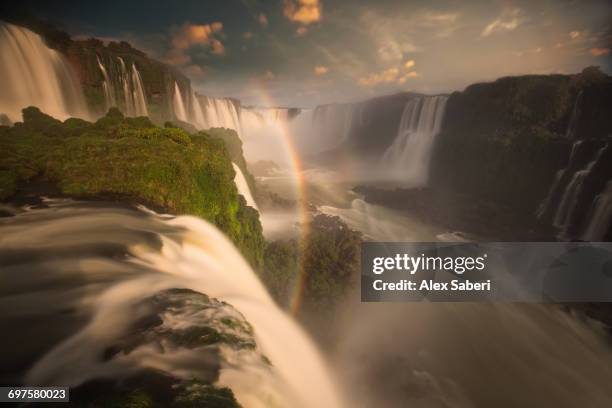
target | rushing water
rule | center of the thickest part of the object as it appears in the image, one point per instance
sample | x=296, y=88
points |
x=243, y=187
x=124, y=83
x=74, y=279
x=408, y=157
x=570, y=195
x=600, y=217
x=36, y=75
x=179, y=106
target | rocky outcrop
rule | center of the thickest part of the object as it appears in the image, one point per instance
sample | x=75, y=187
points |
x=506, y=141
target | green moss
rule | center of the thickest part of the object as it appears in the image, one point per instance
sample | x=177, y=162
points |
x=196, y=394
x=207, y=336
x=234, y=147
x=131, y=159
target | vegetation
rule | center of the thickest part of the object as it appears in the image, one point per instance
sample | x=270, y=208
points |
x=234, y=147
x=131, y=159
x=329, y=259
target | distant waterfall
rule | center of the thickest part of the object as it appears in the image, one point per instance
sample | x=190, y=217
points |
x=179, y=105
x=196, y=111
x=601, y=216
x=36, y=75
x=140, y=102
x=109, y=92
x=221, y=112
x=121, y=82
x=325, y=127
x=135, y=101
x=408, y=156
x=572, y=191
x=554, y=190
x=243, y=187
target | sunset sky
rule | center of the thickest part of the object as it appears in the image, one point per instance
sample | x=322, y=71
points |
x=308, y=52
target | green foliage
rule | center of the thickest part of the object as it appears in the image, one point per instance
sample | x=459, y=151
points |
x=131, y=159
x=329, y=259
x=280, y=269
x=195, y=394
x=234, y=147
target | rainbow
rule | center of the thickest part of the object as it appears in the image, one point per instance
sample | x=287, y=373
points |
x=295, y=164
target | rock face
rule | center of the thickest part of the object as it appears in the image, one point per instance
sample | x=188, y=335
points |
x=507, y=141
x=110, y=73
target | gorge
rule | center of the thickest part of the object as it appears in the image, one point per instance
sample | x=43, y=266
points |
x=188, y=246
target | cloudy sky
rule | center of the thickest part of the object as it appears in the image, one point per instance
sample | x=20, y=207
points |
x=308, y=52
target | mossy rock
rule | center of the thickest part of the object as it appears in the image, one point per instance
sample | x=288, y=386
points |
x=131, y=159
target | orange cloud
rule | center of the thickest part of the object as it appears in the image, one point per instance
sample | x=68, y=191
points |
x=598, y=52
x=508, y=21
x=217, y=47
x=302, y=11
x=409, y=64
x=263, y=20
x=404, y=78
x=320, y=70
x=386, y=76
x=191, y=35
x=195, y=34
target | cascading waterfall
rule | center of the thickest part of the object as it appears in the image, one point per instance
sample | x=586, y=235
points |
x=140, y=102
x=116, y=264
x=243, y=187
x=325, y=127
x=119, y=82
x=109, y=92
x=179, y=106
x=408, y=156
x=556, y=185
x=36, y=75
x=221, y=112
x=196, y=111
x=572, y=192
x=600, y=218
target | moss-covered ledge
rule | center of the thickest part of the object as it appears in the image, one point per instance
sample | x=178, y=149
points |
x=129, y=159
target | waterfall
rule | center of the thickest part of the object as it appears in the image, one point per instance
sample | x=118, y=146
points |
x=325, y=127
x=178, y=104
x=196, y=112
x=221, y=112
x=243, y=187
x=133, y=90
x=140, y=102
x=408, y=156
x=109, y=92
x=111, y=295
x=600, y=218
x=556, y=185
x=36, y=75
x=572, y=191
